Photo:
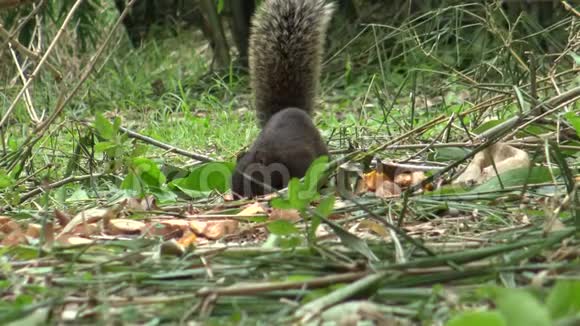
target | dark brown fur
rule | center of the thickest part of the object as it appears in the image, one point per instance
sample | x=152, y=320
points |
x=285, y=57
x=286, y=53
x=285, y=148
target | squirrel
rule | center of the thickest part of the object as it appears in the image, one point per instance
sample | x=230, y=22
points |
x=285, y=55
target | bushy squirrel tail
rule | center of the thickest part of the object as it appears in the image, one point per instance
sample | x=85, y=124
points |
x=286, y=47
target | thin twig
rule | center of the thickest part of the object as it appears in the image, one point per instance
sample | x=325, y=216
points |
x=30, y=54
x=63, y=100
x=27, y=97
x=248, y=289
x=42, y=60
x=499, y=132
x=169, y=148
x=27, y=195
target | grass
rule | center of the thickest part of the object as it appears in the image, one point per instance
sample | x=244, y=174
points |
x=474, y=251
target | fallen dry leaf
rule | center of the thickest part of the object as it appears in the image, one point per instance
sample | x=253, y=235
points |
x=124, y=226
x=408, y=179
x=177, y=224
x=33, y=230
x=62, y=217
x=48, y=232
x=255, y=208
x=481, y=168
x=553, y=224
x=339, y=203
x=86, y=229
x=375, y=227
x=404, y=179
x=270, y=196
x=72, y=240
x=214, y=229
x=198, y=226
x=218, y=229
x=324, y=232
x=373, y=180
x=361, y=187
x=387, y=189
x=70, y=312
x=388, y=180
x=167, y=228
x=188, y=239
x=89, y=216
x=142, y=204
x=8, y=225
x=284, y=214
x=156, y=229
x=16, y=237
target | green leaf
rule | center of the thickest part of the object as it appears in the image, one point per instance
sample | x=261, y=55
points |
x=116, y=125
x=289, y=242
x=282, y=227
x=132, y=183
x=352, y=241
x=281, y=203
x=13, y=144
x=26, y=317
x=521, y=308
x=255, y=219
x=148, y=171
x=535, y=129
x=574, y=119
x=144, y=176
x=517, y=177
x=296, y=198
x=487, y=125
x=164, y=195
x=104, y=146
x=139, y=150
x=477, y=318
x=325, y=207
x=21, y=252
x=5, y=180
x=451, y=189
x=104, y=127
x=313, y=176
x=300, y=195
x=564, y=299
x=205, y=178
x=448, y=154
x=314, y=224
x=78, y=195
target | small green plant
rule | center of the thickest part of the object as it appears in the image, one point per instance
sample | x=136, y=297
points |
x=300, y=196
x=144, y=178
x=517, y=307
x=205, y=179
x=114, y=144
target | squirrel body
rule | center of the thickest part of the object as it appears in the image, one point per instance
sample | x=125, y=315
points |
x=286, y=46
